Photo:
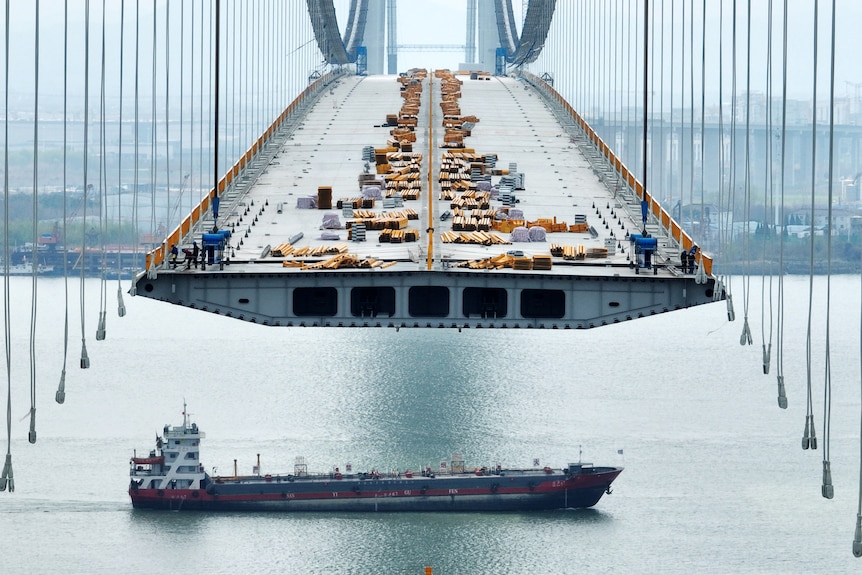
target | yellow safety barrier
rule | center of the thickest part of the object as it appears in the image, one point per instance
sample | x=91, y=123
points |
x=160, y=253
x=664, y=218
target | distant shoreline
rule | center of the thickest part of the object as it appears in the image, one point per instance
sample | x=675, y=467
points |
x=762, y=267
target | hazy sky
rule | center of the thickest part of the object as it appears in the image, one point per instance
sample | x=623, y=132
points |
x=444, y=22
x=428, y=22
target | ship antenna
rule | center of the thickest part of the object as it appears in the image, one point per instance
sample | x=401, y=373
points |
x=580, y=453
x=185, y=415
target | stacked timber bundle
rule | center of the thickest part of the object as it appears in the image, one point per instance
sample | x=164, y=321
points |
x=472, y=200
x=523, y=263
x=550, y=225
x=597, y=253
x=408, y=116
x=456, y=168
x=399, y=236
x=507, y=226
x=450, y=89
x=542, y=262
x=395, y=220
x=470, y=220
x=577, y=252
x=355, y=203
x=481, y=238
x=288, y=250
x=404, y=177
x=503, y=261
x=402, y=173
x=493, y=263
x=345, y=260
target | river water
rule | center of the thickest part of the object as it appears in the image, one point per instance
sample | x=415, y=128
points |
x=715, y=479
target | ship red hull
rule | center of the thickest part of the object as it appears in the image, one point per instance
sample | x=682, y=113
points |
x=488, y=493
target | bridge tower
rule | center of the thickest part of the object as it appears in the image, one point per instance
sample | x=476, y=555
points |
x=391, y=37
x=489, y=37
x=381, y=37
x=470, y=52
x=375, y=35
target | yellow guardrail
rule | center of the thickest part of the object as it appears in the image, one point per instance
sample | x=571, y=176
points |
x=666, y=221
x=159, y=254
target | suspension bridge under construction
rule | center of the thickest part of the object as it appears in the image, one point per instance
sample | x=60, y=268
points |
x=574, y=169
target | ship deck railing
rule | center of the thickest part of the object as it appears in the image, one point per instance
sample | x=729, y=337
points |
x=372, y=476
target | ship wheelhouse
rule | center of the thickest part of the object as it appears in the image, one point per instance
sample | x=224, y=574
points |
x=174, y=463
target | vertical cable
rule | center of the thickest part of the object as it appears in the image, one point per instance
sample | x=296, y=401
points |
x=731, y=191
x=216, y=104
x=136, y=179
x=31, y=436
x=857, y=539
x=8, y=478
x=85, y=359
x=121, y=307
x=157, y=232
x=705, y=224
x=681, y=137
x=171, y=212
x=768, y=207
x=201, y=166
x=779, y=359
x=183, y=176
x=193, y=198
x=662, y=144
x=809, y=439
x=667, y=191
x=691, y=124
x=646, y=100
x=235, y=141
x=745, y=338
x=103, y=192
x=827, y=489
x=724, y=235
x=634, y=67
x=60, y=395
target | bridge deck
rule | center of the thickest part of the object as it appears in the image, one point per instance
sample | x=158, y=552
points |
x=253, y=281
x=515, y=124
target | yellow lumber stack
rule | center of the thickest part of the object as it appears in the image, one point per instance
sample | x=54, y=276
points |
x=482, y=238
x=506, y=226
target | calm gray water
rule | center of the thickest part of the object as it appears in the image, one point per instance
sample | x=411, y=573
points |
x=715, y=479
